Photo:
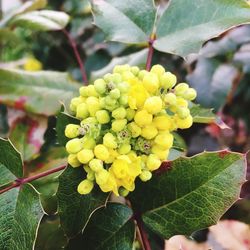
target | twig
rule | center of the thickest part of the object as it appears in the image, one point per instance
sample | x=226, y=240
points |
x=21, y=181
x=144, y=237
x=150, y=52
x=77, y=55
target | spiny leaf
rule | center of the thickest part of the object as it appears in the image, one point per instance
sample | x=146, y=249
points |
x=193, y=194
x=125, y=21
x=75, y=209
x=11, y=158
x=20, y=216
x=198, y=21
x=36, y=92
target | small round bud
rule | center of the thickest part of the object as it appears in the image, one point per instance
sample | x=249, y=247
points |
x=183, y=112
x=184, y=123
x=100, y=86
x=135, y=70
x=88, y=142
x=134, y=129
x=130, y=113
x=119, y=125
x=158, y=70
x=102, y=176
x=109, y=141
x=82, y=111
x=101, y=152
x=123, y=192
x=124, y=149
x=143, y=118
x=115, y=93
x=73, y=161
x=180, y=89
x=170, y=99
x=168, y=80
x=72, y=130
x=93, y=105
x=119, y=113
x=151, y=82
x=149, y=132
x=153, y=162
x=190, y=94
x=85, y=155
x=102, y=116
x=85, y=187
x=145, y=175
x=73, y=146
x=164, y=140
x=162, y=122
x=96, y=165
x=153, y=104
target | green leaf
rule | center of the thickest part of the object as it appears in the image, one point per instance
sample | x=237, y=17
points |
x=63, y=119
x=27, y=6
x=212, y=81
x=43, y=20
x=75, y=209
x=36, y=92
x=11, y=158
x=202, y=115
x=6, y=176
x=125, y=21
x=110, y=227
x=27, y=135
x=193, y=194
x=20, y=216
x=137, y=58
x=186, y=25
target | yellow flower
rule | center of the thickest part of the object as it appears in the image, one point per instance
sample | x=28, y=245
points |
x=137, y=96
x=32, y=64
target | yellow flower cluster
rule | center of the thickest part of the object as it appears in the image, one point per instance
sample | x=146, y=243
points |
x=125, y=125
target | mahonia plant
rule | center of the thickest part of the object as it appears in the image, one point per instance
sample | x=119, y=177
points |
x=125, y=126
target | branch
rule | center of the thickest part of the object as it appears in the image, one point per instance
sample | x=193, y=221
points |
x=144, y=237
x=19, y=182
x=150, y=52
x=77, y=55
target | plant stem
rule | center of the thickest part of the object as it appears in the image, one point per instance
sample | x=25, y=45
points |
x=77, y=55
x=150, y=53
x=21, y=181
x=144, y=237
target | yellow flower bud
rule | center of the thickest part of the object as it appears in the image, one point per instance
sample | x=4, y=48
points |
x=161, y=153
x=73, y=146
x=124, y=149
x=32, y=64
x=162, y=122
x=120, y=168
x=82, y=111
x=88, y=142
x=153, y=104
x=130, y=113
x=72, y=130
x=102, y=176
x=73, y=161
x=109, y=141
x=145, y=175
x=151, y=82
x=96, y=165
x=143, y=118
x=164, y=140
x=85, y=187
x=184, y=123
x=102, y=116
x=85, y=155
x=119, y=125
x=158, y=70
x=153, y=162
x=119, y=113
x=93, y=105
x=101, y=152
x=168, y=80
x=149, y=132
x=134, y=129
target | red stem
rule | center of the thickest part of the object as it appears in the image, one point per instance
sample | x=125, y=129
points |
x=144, y=237
x=150, y=54
x=77, y=55
x=21, y=181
